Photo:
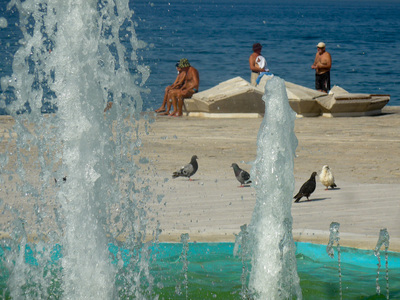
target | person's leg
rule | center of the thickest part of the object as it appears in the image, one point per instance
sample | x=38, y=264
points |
x=180, y=104
x=169, y=103
x=323, y=82
x=317, y=82
x=327, y=81
x=253, y=78
x=173, y=95
x=165, y=100
x=181, y=99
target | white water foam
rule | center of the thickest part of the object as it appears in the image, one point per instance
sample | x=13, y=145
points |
x=274, y=270
x=76, y=56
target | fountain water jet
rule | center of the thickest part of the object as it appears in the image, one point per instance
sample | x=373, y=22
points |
x=242, y=242
x=334, y=238
x=75, y=57
x=100, y=187
x=274, y=268
x=185, y=264
x=382, y=240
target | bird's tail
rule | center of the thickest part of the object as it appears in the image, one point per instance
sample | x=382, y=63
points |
x=248, y=182
x=176, y=174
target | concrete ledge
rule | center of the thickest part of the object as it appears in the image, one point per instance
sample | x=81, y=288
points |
x=353, y=114
x=351, y=240
x=225, y=115
x=4, y=235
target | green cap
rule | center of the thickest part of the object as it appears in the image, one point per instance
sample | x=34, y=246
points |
x=183, y=63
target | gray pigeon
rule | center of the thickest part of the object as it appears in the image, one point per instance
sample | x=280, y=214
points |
x=307, y=188
x=187, y=170
x=241, y=175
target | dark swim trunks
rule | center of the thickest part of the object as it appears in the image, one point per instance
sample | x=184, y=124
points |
x=323, y=81
x=195, y=90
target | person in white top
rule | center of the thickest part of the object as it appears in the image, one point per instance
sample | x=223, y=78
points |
x=254, y=66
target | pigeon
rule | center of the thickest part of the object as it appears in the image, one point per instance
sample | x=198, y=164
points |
x=64, y=179
x=307, y=188
x=187, y=170
x=241, y=175
x=326, y=177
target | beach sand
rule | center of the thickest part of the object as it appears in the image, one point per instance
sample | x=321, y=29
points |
x=363, y=153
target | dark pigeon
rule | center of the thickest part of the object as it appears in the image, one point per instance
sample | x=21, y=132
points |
x=188, y=170
x=64, y=179
x=241, y=175
x=307, y=188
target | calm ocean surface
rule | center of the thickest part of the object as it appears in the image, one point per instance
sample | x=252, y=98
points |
x=216, y=36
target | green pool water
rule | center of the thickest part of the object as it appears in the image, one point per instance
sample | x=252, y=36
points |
x=213, y=272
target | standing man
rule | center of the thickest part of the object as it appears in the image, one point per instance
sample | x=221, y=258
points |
x=322, y=65
x=190, y=87
x=254, y=66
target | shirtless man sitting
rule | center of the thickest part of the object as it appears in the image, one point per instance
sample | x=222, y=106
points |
x=322, y=65
x=178, y=83
x=190, y=87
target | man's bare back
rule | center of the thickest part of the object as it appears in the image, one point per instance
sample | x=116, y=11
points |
x=191, y=82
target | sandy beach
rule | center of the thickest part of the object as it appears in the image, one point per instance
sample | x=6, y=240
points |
x=363, y=153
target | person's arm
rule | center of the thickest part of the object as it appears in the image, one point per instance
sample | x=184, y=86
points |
x=109, y=106
x=180, y=80
x=192, y=82
x=314, y=65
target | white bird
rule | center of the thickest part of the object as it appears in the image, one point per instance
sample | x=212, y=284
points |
x=326, y=177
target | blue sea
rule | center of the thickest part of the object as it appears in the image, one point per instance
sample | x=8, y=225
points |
x=216, y=36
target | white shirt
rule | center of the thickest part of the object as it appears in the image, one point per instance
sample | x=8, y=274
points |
x=262, y=63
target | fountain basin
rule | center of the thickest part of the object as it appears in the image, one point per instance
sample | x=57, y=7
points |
x=213, y=270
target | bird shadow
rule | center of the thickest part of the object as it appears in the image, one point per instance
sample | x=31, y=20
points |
x=332, y=189
x=313, y=200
